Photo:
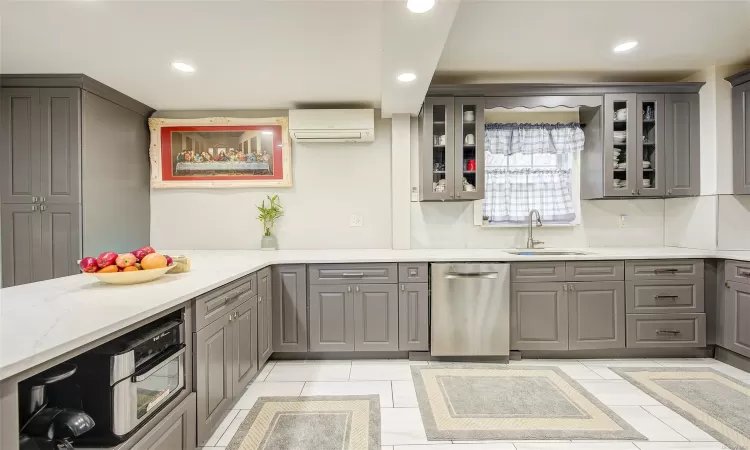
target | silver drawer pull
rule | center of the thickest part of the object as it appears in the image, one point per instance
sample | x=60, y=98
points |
x=743, y=274
x=668, y=332
x=353, y=274
x=666, y=297
x=671, y=271
x=456, y=275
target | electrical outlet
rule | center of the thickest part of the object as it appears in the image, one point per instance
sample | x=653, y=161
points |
x=623, y=221
x=356, y=220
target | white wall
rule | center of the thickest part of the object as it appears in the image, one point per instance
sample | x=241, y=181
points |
x=331, y=182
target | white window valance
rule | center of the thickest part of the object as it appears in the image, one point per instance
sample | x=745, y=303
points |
x=513, y=138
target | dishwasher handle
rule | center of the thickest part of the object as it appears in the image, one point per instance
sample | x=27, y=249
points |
x=475, y=275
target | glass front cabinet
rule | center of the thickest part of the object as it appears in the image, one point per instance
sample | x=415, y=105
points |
x=451, y=149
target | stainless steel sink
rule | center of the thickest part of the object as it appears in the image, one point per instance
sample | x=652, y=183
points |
x=543, y=252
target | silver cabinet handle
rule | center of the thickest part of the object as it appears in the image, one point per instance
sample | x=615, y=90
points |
x=726, y=284
x=353, y=274
x=565, y=287
x=668, y=332
x=666, y=297
x=403, y=288
x=632, y=192
x=231, y=316
x=669, y=191
x=260, y=299
x=34, y=207
x=572, y=287
x=357, y=288
x=348, y=289
x=43, y=207
x=670, y=271
x=34, y=199
x=456, y=275
x=42, y=199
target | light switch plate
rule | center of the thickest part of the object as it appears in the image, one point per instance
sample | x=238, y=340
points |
x=623, y=221
x=356, y=220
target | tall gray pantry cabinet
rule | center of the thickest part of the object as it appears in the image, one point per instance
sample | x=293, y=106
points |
x=74, y=174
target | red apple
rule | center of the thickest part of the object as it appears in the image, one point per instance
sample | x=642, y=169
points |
x=88, y=265
x=125, y=260
x=169, y=260
x=139, y=254
x=148, y=249
x=106, y=259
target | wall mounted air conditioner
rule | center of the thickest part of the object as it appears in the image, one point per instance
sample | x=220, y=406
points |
x=332, y=125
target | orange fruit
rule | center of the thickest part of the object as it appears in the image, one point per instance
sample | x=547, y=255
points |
x=153, y=261
x=108, y=269
x=130, y=269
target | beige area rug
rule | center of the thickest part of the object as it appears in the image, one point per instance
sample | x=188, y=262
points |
x=311, y=423
x=480, y=402
x=716, y=403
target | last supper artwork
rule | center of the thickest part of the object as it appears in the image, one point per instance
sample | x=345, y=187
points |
x=225, y=153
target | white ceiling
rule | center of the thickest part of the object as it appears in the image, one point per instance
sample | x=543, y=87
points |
x=255, y=54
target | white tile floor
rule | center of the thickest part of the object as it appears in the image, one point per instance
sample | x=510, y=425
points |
x=401, y=423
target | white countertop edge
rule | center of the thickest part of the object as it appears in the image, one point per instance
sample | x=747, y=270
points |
x=12, y=300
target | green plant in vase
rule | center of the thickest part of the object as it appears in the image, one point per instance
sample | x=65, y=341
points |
x=267, y=216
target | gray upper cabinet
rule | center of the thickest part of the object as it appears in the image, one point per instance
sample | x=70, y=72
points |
x=21, y=237
x=20, y=128
x=265, y=316
x=413, y=317
x=331, y=318
x=682, y=145
x=375, y=317
x=650, y=145
x=451, y=143
x=213, y=375
x=290, y=308
x=596, y=315
x=60, y=145
x=538, y=316
x=741, y=131
x=737, y=318
x=620, y=144
x=244, y=345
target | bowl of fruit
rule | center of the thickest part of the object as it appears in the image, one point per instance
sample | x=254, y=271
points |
x=139, y=266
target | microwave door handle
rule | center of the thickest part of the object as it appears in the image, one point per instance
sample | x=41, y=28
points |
x=140, y=376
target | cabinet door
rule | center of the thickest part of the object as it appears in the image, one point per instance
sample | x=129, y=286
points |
x=213, y=375
x=331, y=318
x=244, y=345
x=19, y=152
x=265, y=337
x=737, y=318
x=21, y=243
x=376, y=317
x=596, y=313
x=469, y=148
x=174, y=432
x=649, y=154
x=437, y=151
x=60, y=152
x=290, y=308
x=620, y=145
x=740, y=138
x=539, y=316
x=682, y=145
x=413, y=317
x=61, y=241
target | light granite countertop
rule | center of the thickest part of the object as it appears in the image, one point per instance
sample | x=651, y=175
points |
x=41, y=321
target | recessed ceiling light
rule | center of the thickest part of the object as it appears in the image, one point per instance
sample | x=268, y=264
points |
x=407, y=77
x=625, y=46
x=420, y=6
x=267, y=132
x=182, y=67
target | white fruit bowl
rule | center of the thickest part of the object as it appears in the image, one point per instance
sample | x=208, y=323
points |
x=135, y=277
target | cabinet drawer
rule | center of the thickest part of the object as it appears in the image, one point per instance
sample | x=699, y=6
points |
x=595, y=271
x=666, y=330
x=664, y=296
x=682, y=269
x=738, y=271
x=412, y=272
x=353, y=273
x=532, y=272
x=214, y=304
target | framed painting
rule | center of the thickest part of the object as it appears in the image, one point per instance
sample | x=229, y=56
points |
x=220, y=152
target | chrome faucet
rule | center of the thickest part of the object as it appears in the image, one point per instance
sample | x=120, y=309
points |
x=530, y=242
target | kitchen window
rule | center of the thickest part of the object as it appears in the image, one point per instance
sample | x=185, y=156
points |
x=532, y=166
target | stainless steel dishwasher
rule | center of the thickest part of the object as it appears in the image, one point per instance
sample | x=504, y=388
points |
x=470, y=309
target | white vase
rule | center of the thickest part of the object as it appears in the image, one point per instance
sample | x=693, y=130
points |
x=268, y=243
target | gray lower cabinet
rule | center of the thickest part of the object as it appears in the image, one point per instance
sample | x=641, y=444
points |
x=265, y=316
x=331, y=318
x=244, y=345
x=175, y=432
x=682, y=145
x=375, y=317
x=666, y=330
x=61, y=240
x=538, y=316
x=737, y=318
x=413, y=317
x=596, y=312
x=290, y=308
x=213, y=375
